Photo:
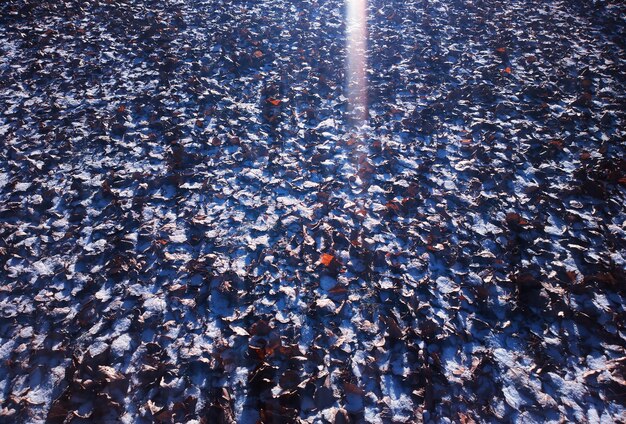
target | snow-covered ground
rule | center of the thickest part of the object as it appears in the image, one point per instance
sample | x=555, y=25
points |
x=192, y=229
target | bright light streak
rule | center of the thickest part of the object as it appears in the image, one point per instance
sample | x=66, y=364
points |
x=357, y=60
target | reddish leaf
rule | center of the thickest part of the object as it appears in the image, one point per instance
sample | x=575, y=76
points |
x=392, y=206
x=514, y=220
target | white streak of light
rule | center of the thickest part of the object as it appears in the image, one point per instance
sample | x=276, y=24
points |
x=356, y=50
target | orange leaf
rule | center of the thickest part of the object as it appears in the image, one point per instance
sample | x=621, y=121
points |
x=258, y=54
x=326, y=259
x=501, y=50
x=507, y=70
x=274, y=102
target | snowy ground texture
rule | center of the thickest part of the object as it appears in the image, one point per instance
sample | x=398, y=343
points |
x=190, y=230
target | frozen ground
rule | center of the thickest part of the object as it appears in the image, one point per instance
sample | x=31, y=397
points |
x=190, y=229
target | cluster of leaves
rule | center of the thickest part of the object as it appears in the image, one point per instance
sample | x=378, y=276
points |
x=191, y=230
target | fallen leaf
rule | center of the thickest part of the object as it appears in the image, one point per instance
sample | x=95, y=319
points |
x=326, y=259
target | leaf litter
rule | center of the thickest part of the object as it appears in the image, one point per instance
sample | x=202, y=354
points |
x=193, y=231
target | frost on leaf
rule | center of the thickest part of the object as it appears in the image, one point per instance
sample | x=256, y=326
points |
x=302, y=212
